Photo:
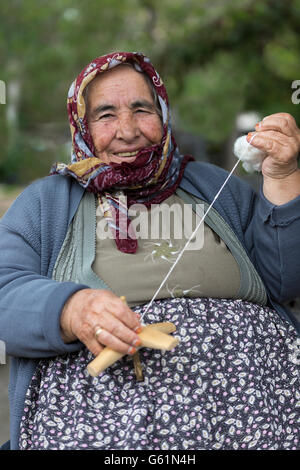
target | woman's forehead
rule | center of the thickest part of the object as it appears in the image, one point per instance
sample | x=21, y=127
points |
x=136, y=63
x=119, y=80
x=118, y=74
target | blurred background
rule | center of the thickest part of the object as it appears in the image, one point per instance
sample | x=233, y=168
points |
x=226, y=65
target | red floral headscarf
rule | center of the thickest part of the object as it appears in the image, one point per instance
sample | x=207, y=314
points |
x=150, y=179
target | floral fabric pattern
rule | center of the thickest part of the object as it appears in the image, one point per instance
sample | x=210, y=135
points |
x=231, y=383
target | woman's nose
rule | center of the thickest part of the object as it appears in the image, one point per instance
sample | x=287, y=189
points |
x=128, y=128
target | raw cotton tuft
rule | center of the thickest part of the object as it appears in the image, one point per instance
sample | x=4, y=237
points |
x=251, y=156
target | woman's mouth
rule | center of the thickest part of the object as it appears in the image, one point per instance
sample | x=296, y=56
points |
x=120, y=157
x=126, y=154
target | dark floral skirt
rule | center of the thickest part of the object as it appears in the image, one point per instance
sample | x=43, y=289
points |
x=231, y=383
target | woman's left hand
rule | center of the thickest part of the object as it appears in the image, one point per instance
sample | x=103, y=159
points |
x=279, y=136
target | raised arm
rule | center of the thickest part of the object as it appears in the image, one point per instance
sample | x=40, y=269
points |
x=275, y=228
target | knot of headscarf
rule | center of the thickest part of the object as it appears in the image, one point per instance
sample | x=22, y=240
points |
x=150, y=179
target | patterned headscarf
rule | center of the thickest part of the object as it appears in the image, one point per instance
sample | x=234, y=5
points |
x=150, y=179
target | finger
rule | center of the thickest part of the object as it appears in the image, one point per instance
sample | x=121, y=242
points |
x=116, y=328
x=87, y=337
x=281, y=115
x=108, y=339
x=120, y=310
x=95, y=347
x=280, y=122
x=274, y=144
x=105, y=338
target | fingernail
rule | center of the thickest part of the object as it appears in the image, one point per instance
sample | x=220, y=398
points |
x=258, y=125
x=250, y=137
x=131, y=350
x=137, y=342
x=138, y=329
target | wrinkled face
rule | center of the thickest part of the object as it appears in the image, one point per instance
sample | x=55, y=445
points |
x=122, y=116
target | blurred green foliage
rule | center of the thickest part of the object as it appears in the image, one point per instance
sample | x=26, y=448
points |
x=217, y=58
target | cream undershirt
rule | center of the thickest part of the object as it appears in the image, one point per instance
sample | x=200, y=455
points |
x=207, y=270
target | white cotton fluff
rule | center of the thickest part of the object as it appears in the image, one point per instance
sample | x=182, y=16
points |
x=251, y=156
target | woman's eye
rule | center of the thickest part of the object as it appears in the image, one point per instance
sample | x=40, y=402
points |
x=105, y=116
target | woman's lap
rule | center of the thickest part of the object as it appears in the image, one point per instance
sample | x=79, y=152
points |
x=231, y=383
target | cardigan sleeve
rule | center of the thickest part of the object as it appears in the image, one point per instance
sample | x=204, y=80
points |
x=30, y=301
x=273, y=240
x=269, y=233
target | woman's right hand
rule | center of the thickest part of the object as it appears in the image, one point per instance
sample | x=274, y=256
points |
x=90, y=309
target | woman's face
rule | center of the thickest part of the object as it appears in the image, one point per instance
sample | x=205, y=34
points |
x=122, y=117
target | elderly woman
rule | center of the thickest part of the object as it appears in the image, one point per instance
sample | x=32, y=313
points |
x=69, y=250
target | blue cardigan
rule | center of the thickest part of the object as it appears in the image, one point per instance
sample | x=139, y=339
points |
x=32, y=232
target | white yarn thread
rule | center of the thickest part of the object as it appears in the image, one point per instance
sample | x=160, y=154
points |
x=185, y=246
x=251, y=156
